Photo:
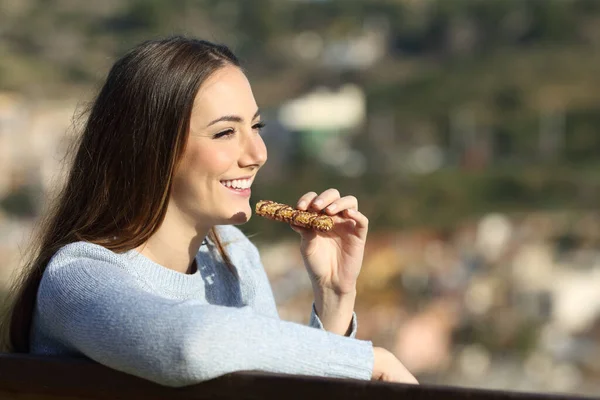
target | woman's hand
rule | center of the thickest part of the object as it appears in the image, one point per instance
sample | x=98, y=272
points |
x=334, y=258
x=389, y=369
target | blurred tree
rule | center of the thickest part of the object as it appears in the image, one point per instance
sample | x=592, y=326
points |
x=22, y=202
x=583, y=137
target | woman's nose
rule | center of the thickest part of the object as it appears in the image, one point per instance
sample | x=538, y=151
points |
x=254, y=152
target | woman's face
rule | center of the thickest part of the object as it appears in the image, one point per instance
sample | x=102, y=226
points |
x=223, y=154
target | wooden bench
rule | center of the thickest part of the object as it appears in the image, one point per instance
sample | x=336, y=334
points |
x=33, y=377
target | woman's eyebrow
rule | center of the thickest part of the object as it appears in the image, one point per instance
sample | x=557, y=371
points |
x=232, y=118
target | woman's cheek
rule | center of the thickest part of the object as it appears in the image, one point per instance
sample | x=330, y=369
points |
x=218, y=161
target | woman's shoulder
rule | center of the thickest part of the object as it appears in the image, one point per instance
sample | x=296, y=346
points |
x=82, y=251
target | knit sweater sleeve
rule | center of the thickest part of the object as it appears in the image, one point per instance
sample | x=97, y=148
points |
x=95, y=308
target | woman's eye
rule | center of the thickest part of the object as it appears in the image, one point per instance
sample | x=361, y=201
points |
x=227, y=133
x=259, y=126
x=230, y=132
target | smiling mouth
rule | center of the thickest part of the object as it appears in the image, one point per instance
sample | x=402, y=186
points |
x=237, y=184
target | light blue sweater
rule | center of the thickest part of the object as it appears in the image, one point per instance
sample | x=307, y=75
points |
x=136, y=316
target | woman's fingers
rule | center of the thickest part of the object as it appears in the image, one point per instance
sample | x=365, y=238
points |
x=346, y=202
x=332, y=204
x=317, y=202
x=325, y=199
x=362, y=222
x=305, y=201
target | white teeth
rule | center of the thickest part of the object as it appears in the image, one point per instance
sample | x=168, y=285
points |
x=238, y=183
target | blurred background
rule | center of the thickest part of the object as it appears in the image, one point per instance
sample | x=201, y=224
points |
x=468, y=130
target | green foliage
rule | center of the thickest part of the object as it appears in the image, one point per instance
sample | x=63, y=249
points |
x=583, y=140
x=21, y=202
x=516, y=61
x=440, y=199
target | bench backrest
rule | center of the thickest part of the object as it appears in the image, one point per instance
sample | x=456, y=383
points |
x=35, y=377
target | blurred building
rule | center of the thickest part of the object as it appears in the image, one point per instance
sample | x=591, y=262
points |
x=324, y=121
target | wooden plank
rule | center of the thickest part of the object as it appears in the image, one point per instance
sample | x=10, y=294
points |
x=25, y=377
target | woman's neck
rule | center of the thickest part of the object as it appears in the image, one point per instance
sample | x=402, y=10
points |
x=175, y=245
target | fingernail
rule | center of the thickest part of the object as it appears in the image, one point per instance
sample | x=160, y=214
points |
x=331, y=207
x=318, y=203
x=351, y=211
x=302, y=204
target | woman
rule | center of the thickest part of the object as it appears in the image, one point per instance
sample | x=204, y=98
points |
x=139, y=266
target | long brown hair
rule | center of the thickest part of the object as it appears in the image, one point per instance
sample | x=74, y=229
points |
x=118, y=185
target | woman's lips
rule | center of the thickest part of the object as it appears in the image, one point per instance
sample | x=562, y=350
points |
x=240, y=192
